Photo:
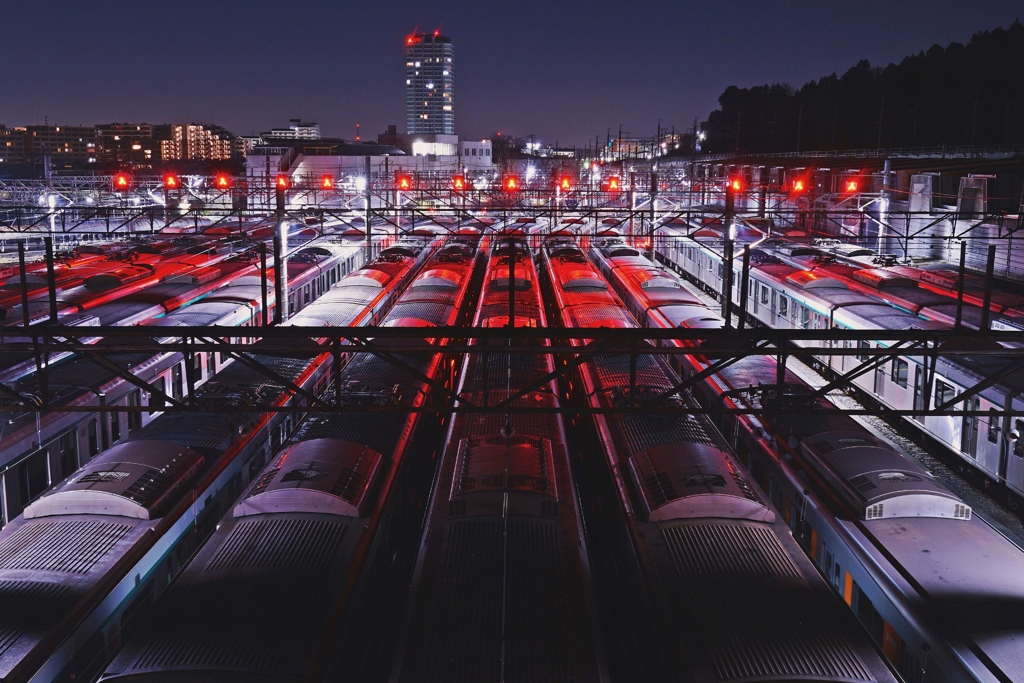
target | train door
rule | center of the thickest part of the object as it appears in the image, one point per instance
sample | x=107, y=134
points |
x=1015, y=461
x=771, y=317
x=879, y=387
x=969, y=430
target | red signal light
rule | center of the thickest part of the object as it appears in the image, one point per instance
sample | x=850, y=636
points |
x=565, y=183
x=458, y=183
x=171, y=182
x=798, y=185
x=403, y=181
x=283, y=182
x=851, y=185
x=735, y=184
x=222, y=182
x=122, y=182
x=327, y=182
x=511, y=183
x=612, y=184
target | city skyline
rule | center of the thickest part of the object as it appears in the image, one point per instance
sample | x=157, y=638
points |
x=561, y=73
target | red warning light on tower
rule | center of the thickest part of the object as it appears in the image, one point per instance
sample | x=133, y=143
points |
x=122, y=182
x=222, y=181
x=458, y=183
x=171, y=182
x=327, y=182
x=283, y=182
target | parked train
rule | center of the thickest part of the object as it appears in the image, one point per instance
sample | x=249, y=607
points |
x=307, y=520
x=782, y=296
x=938, y=589
x=501, y=589
x=737, y=597
x=41, y=449
x=84, y=561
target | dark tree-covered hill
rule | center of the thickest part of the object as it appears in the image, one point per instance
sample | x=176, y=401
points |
x=957, y=95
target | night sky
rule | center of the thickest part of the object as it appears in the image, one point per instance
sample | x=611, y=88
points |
x=559, y=70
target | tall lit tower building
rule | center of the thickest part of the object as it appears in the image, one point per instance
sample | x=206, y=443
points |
x=429, y=84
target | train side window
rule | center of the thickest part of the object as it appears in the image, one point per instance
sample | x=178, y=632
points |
x=869, y=616
x=764, y=295
x=176, y=386
x=861, y=344
x=773, y=299
x=943, y=393
x=94, y=442
x=32, y=477
x=900, y=369
x=805, y=317
x=157, y=402
x=784, y=306
x=134, y=417
x=68, y=453
x=1018, y=445
x=115, y=427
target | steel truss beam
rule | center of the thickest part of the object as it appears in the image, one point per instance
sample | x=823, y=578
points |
x=722, y=347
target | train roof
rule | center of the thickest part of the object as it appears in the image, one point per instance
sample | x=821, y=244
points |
x=972, y=575
x=499, y=278
x=489, y=466
x=692, y=316
x=438, y=277
x=880, y=278
x=876, y=480
x=805, y=279
x=327, y=476
x=686, y=480
x=130, y=480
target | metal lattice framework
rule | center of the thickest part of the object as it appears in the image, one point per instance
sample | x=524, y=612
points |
x=719, y=347
x=678, y=192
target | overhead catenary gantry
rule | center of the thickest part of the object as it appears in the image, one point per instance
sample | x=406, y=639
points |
x=721, y=346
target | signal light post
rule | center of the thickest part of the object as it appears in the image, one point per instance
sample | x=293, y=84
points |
x=281, y=186
x=171, y=183
x=732, y=187
x=459, y=188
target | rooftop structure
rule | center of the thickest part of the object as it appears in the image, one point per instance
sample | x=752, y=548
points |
x=297, y=130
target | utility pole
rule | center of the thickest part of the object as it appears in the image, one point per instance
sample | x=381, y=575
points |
x=366, y=197
x=654, y=201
